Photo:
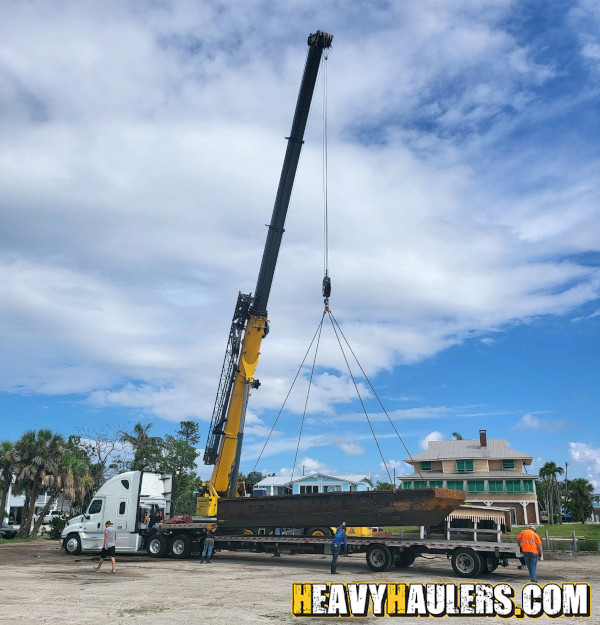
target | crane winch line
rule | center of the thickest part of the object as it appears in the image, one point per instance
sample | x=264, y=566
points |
x=326, y=292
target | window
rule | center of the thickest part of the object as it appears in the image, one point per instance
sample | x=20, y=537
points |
x=454, y=484
x=311, y=488
x=122, y=508
x=527, y=486
x=406, y=484
x=496, y=486
x=95, y=506
x=513, y=486
x=508, y=464
x=420, y=484
x=332, y=488
x=475, y=486
x=125, y=484
x=426, y=466
x=436, y=484
x=464, y=465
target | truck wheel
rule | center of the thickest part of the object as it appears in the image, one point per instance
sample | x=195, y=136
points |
x=467, y=563
x=404, y=558
x=181, y=546
x=158, y=546
x=319, y=532
x=379, y=558
x=72, y=545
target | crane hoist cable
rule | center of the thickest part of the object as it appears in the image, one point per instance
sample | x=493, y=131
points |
x=326, y=292
x=326, y=287
x=312, y=373
x=317, y=333
x=366, y=377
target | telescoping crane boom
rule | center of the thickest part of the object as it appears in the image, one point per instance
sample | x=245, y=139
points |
x=250, y=323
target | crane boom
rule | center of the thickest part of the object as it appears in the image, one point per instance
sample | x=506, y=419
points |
x=250, y=323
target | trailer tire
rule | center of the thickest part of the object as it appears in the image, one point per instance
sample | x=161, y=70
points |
x=490, y=563
x=379, y=558
x=158, y=546
x=319, y=532
x=467, y=563
x=404, y=558
x=181, y=546
x=72, y=545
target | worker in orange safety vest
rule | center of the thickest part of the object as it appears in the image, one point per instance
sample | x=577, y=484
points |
x=531, y=546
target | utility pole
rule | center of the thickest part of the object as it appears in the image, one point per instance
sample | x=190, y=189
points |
x=566, y=479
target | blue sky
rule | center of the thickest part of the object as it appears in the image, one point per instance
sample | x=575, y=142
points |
x=140, y=150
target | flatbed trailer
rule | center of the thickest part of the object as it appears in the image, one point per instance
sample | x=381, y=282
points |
x=468, y=558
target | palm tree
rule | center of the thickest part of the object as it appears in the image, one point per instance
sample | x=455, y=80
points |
x=37, y=454
x=147, y=449
x=581, y=495
x=457, y=436
x=7, y=464
x=548, y=475
x=71, y=478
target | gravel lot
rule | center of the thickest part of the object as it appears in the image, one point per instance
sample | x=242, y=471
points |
x=40, y=584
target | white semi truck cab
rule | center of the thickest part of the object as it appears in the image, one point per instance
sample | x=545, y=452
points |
x=124, y=500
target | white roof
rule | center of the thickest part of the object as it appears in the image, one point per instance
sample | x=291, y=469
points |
x=273, y=480
x=496, y=448
x=276, y=480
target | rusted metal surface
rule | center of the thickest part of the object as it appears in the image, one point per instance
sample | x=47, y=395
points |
x=427, y=506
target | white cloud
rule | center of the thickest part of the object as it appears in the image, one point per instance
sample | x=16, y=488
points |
x=432, y=436
x=306, y=466
x=589, y=456
x=139, y=160
x=530, y=421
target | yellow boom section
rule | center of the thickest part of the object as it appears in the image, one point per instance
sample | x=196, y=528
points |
x=220, y=479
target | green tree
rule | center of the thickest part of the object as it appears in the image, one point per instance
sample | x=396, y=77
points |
x=548, y=474
x=179, y=459
x=7, y=468
x=581, y=496
x=457, y=436
x=384, y=486
x=71, y=478
x=147, y=450
x=37, y=455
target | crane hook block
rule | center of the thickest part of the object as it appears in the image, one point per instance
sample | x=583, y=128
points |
x=326, y=287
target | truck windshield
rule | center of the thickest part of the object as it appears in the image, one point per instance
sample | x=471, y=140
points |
x=95, y=506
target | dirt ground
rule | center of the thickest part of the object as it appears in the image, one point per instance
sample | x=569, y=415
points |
x=39, y=583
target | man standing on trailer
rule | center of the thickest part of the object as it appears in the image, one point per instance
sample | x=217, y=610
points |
x=336, y=546
x=531, y=546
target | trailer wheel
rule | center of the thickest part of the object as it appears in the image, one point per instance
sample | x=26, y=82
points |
x=72, y=545
x=181, y=546
x=158, y=546
x=319, y=532
x=490, y=563
x=404, y=558
x=379, y=558
x=467, y=563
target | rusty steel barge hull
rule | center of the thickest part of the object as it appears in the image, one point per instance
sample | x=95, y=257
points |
x=426, y=506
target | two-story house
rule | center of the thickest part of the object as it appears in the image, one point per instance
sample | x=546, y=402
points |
x=489, y=471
